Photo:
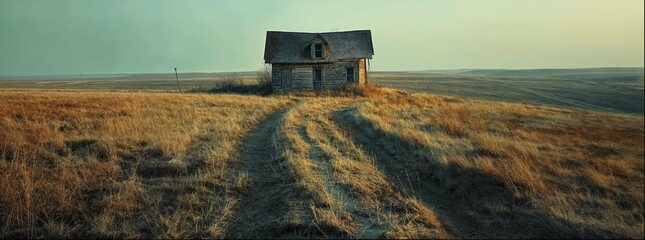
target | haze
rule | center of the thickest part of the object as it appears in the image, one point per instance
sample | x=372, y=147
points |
x=96, y=37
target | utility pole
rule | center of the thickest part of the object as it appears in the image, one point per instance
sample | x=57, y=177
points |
x=177, y=76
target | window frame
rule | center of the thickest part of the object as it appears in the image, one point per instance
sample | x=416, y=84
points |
x=353, y=75
x=316, y=51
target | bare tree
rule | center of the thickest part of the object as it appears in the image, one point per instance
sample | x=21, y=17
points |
x=264, y=79
x=229, y=82
x=234, y=82
x=264, y=76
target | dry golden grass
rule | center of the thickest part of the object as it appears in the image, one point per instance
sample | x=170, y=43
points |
x=350, y=195
x=305, y=164
x=365, y=163
x=582, y=170
x=120, y=165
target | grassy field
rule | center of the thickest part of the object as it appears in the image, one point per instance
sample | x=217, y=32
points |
x=156, y=82
x=385, y=163
x=618, y=90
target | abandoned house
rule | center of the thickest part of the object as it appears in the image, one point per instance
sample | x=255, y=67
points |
x=317, y=61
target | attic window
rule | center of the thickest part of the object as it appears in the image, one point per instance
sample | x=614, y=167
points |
x=318, y=50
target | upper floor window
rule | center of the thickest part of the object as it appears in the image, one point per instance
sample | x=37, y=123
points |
x=350, y=74
x=318, y=50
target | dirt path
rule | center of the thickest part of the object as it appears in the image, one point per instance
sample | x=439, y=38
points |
x=369, y=229
x=274, y=202
x=271, y=205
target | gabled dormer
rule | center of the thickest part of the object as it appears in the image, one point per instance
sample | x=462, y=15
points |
x=317, y=46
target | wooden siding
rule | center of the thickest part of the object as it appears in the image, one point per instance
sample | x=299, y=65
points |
x=333, y=75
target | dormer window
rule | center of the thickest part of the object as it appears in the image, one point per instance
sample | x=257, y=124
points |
x=318, y=50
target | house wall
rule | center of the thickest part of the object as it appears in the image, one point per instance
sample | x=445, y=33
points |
x=362, y=72
x=333, y=75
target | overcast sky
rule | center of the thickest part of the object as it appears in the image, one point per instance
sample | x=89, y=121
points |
x=78, y=36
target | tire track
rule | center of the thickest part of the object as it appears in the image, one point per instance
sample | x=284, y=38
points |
x=369, y=229
x=281, y=203
x=272, y=199
x=363, y=191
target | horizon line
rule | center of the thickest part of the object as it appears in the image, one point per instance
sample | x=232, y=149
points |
x=249, y=71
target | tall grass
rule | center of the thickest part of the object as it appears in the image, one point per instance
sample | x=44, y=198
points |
x=110, y=164
x=581, y=168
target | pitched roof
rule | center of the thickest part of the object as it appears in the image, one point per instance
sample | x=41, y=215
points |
x=293, y=47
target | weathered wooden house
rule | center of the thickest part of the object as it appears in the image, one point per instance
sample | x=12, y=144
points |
x=317, y=61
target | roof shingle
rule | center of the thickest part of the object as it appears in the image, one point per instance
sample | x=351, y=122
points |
x=293, y=47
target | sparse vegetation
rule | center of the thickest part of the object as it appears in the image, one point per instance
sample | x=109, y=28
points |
x=229, y=83
x=264, y=77
x=375, y=162
x=235, y=83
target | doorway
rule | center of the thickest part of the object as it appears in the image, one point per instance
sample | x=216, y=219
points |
x=318, y=85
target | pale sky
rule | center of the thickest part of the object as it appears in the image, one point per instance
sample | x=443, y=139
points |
x=39, y=37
